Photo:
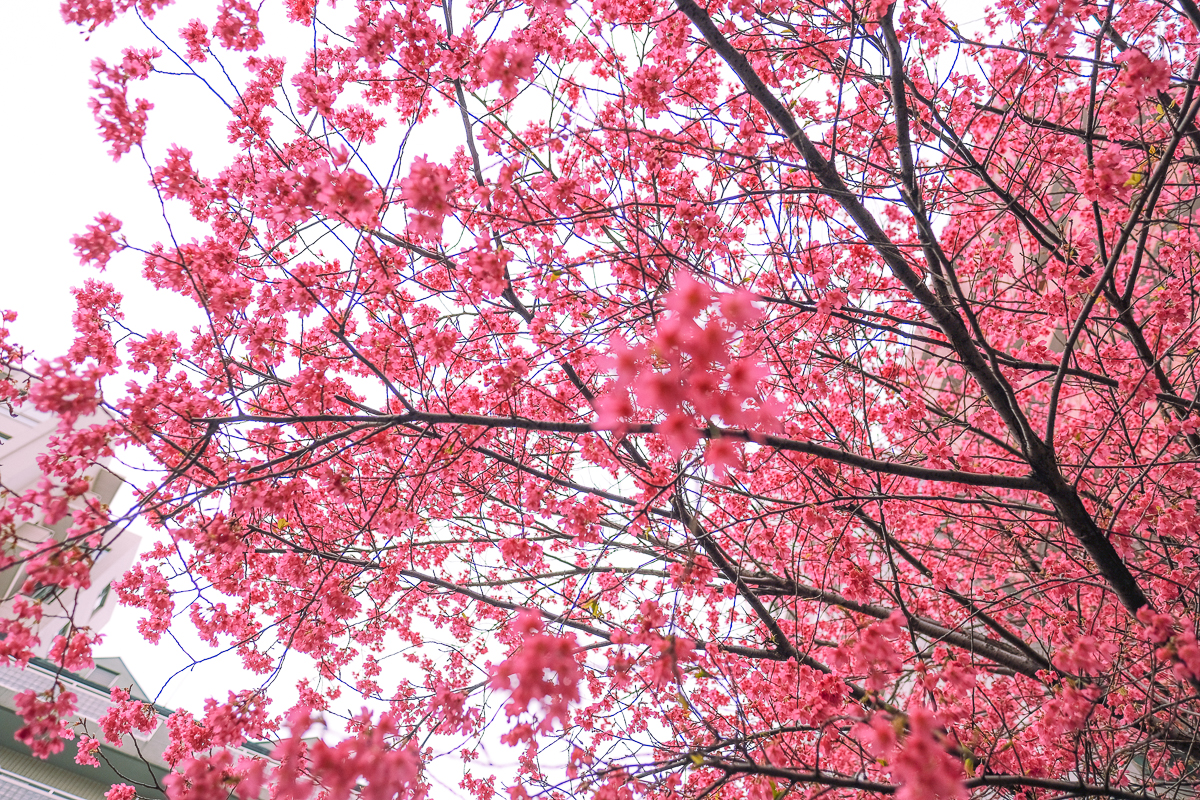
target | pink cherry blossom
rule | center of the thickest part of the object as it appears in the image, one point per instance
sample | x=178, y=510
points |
x=751, y=399
x=542, y=669
x=99, y=243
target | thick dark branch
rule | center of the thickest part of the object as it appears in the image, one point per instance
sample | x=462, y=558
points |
x=827, y=176
x=1040, y=455
x=1069, y=788
x=713, y=432
x=734, y=576
x=999, y=652
x=1035, y=657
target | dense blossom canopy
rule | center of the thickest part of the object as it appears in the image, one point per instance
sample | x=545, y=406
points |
x=744, y=399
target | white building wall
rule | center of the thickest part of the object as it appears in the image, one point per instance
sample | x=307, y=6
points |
x=24, y=435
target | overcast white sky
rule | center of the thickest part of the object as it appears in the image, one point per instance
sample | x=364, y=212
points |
x=56, y=172
x=57, y=176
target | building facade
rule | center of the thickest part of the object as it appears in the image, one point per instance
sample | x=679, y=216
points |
x=24, y=435
x=138, y=762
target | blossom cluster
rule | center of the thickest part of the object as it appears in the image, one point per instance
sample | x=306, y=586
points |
x=689, y=369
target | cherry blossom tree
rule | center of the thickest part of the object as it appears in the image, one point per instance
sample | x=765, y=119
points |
x=749, y=400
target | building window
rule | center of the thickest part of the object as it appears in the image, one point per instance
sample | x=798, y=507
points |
x=43, y=592
x=102, y=599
